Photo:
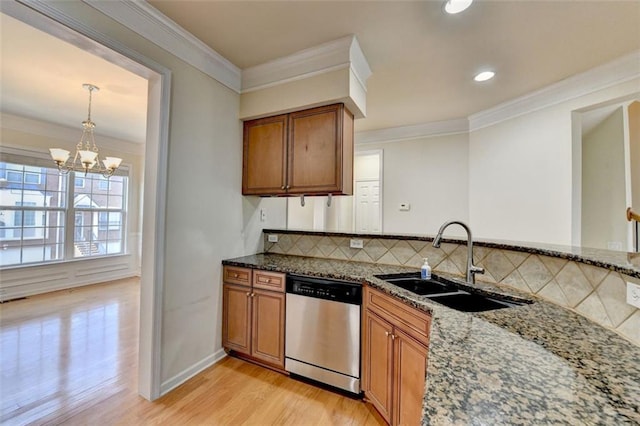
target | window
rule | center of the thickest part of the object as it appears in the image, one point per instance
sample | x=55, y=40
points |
x=44, y=219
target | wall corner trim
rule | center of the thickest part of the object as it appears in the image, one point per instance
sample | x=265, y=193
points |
x=417, y=131
x=147, y=21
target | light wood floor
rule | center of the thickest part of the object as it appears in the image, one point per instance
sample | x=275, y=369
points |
x=70, y=357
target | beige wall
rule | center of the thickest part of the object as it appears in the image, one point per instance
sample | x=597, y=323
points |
x=634, y=153
x=603, y=184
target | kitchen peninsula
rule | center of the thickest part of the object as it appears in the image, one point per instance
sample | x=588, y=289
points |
x=536, y=363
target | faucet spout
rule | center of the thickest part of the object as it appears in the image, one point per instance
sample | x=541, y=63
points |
x=472, y=270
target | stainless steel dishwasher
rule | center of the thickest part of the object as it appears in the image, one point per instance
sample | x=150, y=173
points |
x=323, y=331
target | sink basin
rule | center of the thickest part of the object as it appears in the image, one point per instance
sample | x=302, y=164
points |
x=473, y=302
x=447, y=293
x=415, y=284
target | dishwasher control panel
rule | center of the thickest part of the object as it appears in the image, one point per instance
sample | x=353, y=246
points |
x=322, y=288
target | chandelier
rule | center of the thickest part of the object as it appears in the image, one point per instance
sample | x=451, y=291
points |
x=86, y=158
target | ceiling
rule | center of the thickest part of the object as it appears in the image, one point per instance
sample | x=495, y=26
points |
x=423, y=60
x=42, y=78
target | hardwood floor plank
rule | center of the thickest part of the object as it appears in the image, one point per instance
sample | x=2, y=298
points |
x=70, y=357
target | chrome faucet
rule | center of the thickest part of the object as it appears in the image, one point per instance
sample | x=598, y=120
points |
x=472, y=270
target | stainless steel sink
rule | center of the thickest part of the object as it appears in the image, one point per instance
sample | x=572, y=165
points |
x=447, y=293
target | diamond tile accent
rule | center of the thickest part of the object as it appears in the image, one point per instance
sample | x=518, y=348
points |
x=535, y=273
x=480, y=253
x=435, y=255
x=295, y=251
x=515, y=257
x=449, y=267
x=306, y=243
x=326, y=246
x=515, y=280
x=497, y=265
x=553, y=264
x=388, y=243
x=613, y=294
x=338, y=254
x=362, y=256
x=574, y=284
x=417, y=261
x=631, y=327
x=448, y=247
x=459, y=257
x=375, y=249
x=594, y=274
x=593, y=309
x=418, y=245
x=553, y=292
x=285, y=242
x=402, y=251
x=388, y=259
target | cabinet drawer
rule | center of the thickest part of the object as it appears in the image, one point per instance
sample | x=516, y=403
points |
x=269, y=281
x=236, y=275
x=412, y=321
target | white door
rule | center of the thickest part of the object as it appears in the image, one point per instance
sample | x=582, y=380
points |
x=368, y=207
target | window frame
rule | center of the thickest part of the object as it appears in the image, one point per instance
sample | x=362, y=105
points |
x=64, y=238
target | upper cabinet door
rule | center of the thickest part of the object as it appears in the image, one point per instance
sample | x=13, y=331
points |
x=321, y=151
x=265, y=153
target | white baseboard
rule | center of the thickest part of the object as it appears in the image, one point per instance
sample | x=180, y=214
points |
x=175, y=381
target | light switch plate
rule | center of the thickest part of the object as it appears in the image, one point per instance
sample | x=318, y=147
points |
x=353, y=243
x=405, y=207
x=633, y=294
x=273, y=238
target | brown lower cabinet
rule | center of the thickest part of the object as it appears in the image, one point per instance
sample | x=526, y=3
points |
x=394, y=359
x=253, y=312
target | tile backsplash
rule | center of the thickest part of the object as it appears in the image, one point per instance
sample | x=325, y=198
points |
x=597, y=293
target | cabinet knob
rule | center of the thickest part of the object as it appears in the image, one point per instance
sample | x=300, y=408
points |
x=253, y=295
x=248, y=294
x=268, y=280
x=393, y=337
x=386, y=333
x=282, y=187
x=235, y=275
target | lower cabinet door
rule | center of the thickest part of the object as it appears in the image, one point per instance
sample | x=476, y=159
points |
x=236, y=318
x=377, y=362
x=268, y=327
x=410, y=368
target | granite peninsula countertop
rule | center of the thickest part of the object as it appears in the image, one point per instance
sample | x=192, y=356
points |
x=528, y=365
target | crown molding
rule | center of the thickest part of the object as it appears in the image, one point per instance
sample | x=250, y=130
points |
x=337, y=54
x=417, y=131
x=147, y=21
x=615, y=72
x=56, y=131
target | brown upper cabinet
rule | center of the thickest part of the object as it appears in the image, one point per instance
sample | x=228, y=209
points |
x=306, y=152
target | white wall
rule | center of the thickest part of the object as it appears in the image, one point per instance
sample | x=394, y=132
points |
x=603, y=184
x=520, y=172
x=431, y=174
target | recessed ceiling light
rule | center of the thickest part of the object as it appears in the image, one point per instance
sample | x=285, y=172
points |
x=484, y=76
x=456, y=6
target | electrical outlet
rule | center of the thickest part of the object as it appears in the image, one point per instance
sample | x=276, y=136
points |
x=353, y=243
x=272, y=238
x=633, y=294
x=405, y=207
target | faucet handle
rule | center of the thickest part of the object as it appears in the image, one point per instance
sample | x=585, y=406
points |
x=476, y=269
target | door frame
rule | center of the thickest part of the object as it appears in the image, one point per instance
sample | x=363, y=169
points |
x=46, y=16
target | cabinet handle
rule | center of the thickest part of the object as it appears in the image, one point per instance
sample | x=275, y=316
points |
x=282, y=187
x=386, y=333
x=287, y=187
x=253, y=295
x=248, y=294
x=235, y=275
x=268, y=280
x=393, y=337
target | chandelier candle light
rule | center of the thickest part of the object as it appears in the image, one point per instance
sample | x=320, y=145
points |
x=86, y=158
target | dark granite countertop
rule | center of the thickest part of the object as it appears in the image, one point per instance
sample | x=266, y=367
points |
x=619, y=261
x=528, y=365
